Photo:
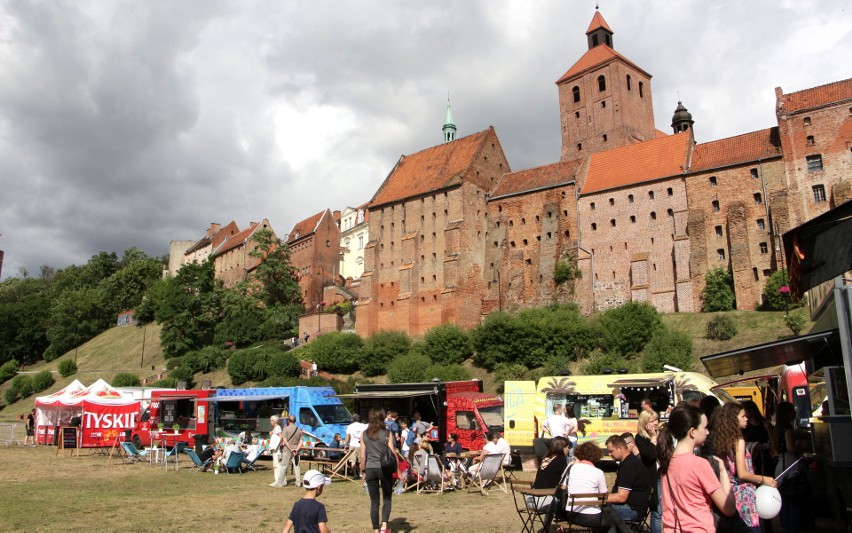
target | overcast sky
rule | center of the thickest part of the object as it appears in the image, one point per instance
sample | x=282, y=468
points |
x=133, y=123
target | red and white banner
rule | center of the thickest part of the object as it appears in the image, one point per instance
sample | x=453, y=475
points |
x=101, y=423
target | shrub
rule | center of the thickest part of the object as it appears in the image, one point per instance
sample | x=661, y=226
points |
x=718, y=293
x=382, y=348
x=567, y=272
x=776, y=293
x=341, y=308
x=42, y=381
x=447, y=344
x=126, y=379
x=21, y=387
x=599, y=361
x=282, y=364
x=67, y=367
x=493, y=340
x=336, y=352
x=241, y=320
x=721, y=328
x=241, y=366
x=281, y=322
x=625, y=330
x=205, y=360
x=510, y=372
x=174, y=362
x=165, y=383
x=8, y=370
x=182, y=373
x=667, y=347
x=50, y=354
x=450, y=372
x=409, y=368
x=796, y=322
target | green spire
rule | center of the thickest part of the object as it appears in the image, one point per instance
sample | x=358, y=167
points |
x=449, y=126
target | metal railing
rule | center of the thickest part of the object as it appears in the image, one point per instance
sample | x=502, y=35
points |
x=11, y=434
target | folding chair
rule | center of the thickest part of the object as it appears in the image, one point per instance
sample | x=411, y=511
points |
x=490, y=472
x=235, y=460
x=198, y=464
x=433, y=479
x=567, y=520
x=529, y=504
x=133, y=455
x=174, y=452
x=249, y=464
x=643, y=522
x=515, y=465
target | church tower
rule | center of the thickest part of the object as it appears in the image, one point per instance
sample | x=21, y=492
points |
x=449, y=128
x=604, y=98
x=682, y=119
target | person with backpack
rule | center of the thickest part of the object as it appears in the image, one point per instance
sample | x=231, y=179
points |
x=376, y=444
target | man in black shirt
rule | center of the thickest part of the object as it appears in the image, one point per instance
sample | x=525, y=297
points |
x=632, y=488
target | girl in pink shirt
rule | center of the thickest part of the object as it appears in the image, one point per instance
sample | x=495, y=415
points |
x=689, y=485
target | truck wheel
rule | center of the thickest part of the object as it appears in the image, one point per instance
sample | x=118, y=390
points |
x=137, y=441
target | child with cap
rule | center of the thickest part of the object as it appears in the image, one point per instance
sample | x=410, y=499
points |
x=308, y=515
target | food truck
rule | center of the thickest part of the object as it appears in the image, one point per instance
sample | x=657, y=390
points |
x=606, y=404
x=319, y=412
x=451, y=406
x=174, y=416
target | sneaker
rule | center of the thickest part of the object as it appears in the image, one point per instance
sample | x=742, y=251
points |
x=276, y=485
x=384, y=530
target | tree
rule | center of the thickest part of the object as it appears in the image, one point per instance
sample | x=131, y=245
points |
x=493, y=340
x=447, y=344
x=76, y=316
x=409, y=368
x=337, y=352
x=24, y=311
x=278, y=279
x=8, y=370
x=668, y=347
x=189, y=310
x=241, y=320
x=381, y=348
x=718, y=293
x=625, y=330
x=282, y=321
x=125, y=288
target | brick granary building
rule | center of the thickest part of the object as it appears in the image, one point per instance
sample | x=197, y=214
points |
x=644, y=214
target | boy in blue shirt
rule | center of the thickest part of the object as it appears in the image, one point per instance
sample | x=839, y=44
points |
x=308, y=515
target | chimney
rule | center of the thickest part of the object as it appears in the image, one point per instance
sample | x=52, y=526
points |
x=214, y=229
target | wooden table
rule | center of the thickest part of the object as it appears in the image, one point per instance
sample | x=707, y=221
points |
x=532, y=515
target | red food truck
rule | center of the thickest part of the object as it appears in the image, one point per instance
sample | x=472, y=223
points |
x=451, y=406
x=174, y=416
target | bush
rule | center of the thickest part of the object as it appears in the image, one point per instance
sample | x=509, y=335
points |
x=165, y=383
x=409, y=368
x=341, y=308
x=50, y=354
x=241, y=320
x=21, y=387
x=721, y=328
x=599, y=361
x=668, y=347
x=67, y=367
x=205, y=360
x=493, y=341
x=718, y=293
x=126, y=379
x=335, y=352
x=504, y=372
x=776, y=293
x=42, y=381
x=174, y=362
x=796, y=322
x=382, y=348
x=241, y=366
x=451, y=372
x=625, y=330
x=447, y=344
x=8, y=370
x=282, y=364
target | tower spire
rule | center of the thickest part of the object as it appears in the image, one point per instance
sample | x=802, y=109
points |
x=449, y=128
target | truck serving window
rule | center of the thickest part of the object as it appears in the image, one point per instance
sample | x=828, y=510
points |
x=590, y=405
x=181, y=412
x=660, y=399
x=465, y=420
x=492, y=416
x=333, y=414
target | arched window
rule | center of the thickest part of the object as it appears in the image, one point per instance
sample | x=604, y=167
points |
x=601, y=83
x=576, y=92
x=629, y=79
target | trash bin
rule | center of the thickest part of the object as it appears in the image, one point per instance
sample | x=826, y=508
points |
x=200, y=442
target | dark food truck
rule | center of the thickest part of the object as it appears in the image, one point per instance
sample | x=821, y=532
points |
x=452, y=407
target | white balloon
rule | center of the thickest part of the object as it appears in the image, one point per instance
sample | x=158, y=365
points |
x=768, y=501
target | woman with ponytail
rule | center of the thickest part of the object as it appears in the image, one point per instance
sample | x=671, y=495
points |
x=689, y=485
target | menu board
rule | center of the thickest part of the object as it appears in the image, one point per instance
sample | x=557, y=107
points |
x=67, y=439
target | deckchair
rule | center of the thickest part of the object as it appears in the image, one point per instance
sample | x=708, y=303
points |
x=174, y=452
x=489, y=473
x=235, y=460
x=249, y=465
x=433, y=477
x=198, y=464
x=133, y=455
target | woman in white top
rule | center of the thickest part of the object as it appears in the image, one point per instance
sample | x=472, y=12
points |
x=585, y=478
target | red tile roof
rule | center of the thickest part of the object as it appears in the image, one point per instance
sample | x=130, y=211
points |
x=743, y=148
x=216, y=239
x=238, y=239
x=817, y=96
x=431, y=169
x=596, y=57
x=658, y=134
x=598, y=22
x=305, y=227
x=538, y=178
x=637, y=163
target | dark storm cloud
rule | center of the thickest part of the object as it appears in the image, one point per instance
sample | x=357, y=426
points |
x=128, y=123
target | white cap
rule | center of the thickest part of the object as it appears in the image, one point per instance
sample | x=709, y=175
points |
x=313, y=479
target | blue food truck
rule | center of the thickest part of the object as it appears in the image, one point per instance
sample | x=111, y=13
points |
x=319, y=413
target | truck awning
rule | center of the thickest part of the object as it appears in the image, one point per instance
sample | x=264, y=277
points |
x=784, y=352
x=244, y=398
x=640, y=382
x=388, y=394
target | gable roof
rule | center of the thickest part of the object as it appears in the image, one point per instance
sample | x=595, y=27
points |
x=305, y=227
x=817, y=96
x=596, y=57
x=240, y=238
x=754, y=146
x=538, y=178
x=430, y=170
x=638, y=163
x=215, y=240
x=598, y=22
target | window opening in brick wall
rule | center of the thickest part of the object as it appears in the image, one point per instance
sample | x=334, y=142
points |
x=499, y=208
x=603, y=104
x=761, y=224
x=525, y=242
x=811, y=141
x=612, y=222
x=498, y=223
x=670, y=191
x=628, y=82
x=713, y=181
x=755, y=274
x=641, y=86
x=579, y=146
x=511, y=224
x=819, y=193
x=653, y=215
x=549, y=235
x=537, y=218
x=576, y=114
x=630, y=198
x=610, y=247
x=613, y=274
x=753, y=172
x=538, y=238
x=529, y=261
x=715, y=205
x=434, y=255
x=575, y=92
x=758, y=198
x=564, y=212
x=434, y=277
x=592, y=206
x=814, y=162
x=670, y=213
x=633, y=219
x=650, y=195
x=523, y=221
x=612, y=201
x=652, y=240
x=764, y=248
x=654, y=265
x=720, y=253
x=601, y=83
x=567, y=233
x=594, y=226
x=512, y=244
x=766, y=273
x=807, y=121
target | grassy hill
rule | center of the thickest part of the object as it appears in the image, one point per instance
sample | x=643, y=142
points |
x=119, y=349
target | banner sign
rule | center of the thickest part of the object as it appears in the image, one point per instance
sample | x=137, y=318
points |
x=103, y=423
